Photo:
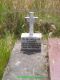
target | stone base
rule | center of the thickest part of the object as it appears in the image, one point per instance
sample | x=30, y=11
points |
x=31, y=43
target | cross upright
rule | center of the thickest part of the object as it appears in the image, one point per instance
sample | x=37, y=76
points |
x=31, y=19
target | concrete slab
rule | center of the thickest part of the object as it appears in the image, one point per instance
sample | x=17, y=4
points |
x=26, y=64
x=54, y=58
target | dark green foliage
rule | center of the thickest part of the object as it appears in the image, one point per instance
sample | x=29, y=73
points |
x=57, y=33
x=46, y=27
x=20, y=25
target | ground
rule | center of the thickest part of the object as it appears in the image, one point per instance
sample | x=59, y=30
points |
x=54, y=58
x=27, y=64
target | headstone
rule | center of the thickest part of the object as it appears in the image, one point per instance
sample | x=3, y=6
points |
x=31, y=40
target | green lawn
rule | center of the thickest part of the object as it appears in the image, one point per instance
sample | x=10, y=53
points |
x=6, y=45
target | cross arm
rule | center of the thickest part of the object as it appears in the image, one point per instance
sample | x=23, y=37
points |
x=36, y=17
x=27, y=18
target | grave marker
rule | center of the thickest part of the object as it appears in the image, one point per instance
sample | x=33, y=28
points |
x=31, y=19
x=31, y=40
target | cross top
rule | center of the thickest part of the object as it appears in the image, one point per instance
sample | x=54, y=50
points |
x=31, y=19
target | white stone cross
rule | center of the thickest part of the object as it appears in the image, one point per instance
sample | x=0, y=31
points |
x=31, y=20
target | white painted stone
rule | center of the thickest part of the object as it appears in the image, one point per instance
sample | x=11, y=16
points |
x=35, y=35
x=31, y=19
x=17, y=63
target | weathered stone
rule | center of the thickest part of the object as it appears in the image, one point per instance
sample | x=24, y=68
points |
x=26, y=64
x=31, y=43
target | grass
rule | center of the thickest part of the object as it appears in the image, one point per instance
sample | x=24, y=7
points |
x=7, y=42
x=6, y=45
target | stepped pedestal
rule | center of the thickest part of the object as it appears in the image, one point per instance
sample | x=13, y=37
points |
x=32, y=43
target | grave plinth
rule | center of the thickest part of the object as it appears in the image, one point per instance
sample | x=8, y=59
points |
x=32, y=43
